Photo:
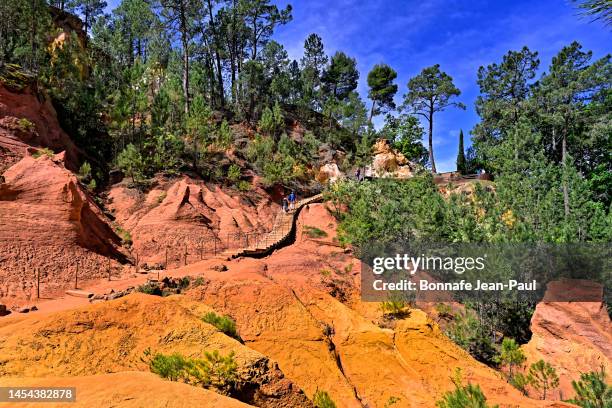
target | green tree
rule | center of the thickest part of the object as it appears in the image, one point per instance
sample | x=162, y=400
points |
x=543, y=377
x=340, y=77
x=130, y=161
x=429, y=92
x=382, y=89
x=510, y=356
x=89, y=9
x=406, y=134
x=24, y=31
x=505, y=89
x=461, y=161
x=592, y=390
x=562, y=96
x=313, y=63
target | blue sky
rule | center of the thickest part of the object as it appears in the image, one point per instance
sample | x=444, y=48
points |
x=460, y=35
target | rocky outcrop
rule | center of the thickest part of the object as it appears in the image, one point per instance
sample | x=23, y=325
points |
x=113, y=336
x=28, y=119
x=329, y=173
x=187, y=215
x=388, y=162
x=574, y=337
x=50, y=225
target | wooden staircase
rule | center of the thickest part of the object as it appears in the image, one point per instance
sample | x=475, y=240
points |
x=282, y=231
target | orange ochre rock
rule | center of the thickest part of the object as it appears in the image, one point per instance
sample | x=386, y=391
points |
x=49, y=223
x=574, y=337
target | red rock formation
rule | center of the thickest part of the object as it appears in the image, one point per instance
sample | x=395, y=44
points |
x=574, y=337
x=49, y=222
x=185, y=212
x=27, y=118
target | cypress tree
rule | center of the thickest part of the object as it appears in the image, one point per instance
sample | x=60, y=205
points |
x=461, y=162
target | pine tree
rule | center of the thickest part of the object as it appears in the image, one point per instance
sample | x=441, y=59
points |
x=461, y=162
x=429, y=92
x=382, y=89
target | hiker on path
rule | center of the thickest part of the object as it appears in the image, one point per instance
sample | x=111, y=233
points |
x=292, y=200
x=285, y=204
x=358, y=174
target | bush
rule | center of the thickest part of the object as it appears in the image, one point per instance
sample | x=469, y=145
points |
x=314, y=232
x=126, y=237
x=244, y=186
x=272, y=121
x=321, y=399
x=150, y=288
x=592, y=391
x=395, y=307
x=85, y=171
x=45, y=151
x=233, y=173
x=224, y=323
x=214, y=370
x=224, y=135
x=25, y=125
x=464, y=396
x=171, y=367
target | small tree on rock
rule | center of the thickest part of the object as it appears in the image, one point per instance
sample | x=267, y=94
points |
x=543, y=377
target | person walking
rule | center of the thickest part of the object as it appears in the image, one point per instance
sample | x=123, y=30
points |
x=358, y=174
x=292, y=201
x=285, y=204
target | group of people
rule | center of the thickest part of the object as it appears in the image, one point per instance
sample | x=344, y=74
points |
x=289, y=202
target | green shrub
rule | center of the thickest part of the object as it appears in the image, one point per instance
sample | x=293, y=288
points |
x=464, y=396
x=214, y=370
x=244, y=186
x=150, y=288
x=395, y=307
x=45, y=151
x=326, y=272
x=224, y=323
x=314, y=232
x=272, y=121
x=126, y=237
x=321, y=399
x=162, y=197
x=233, y=173
x=171, y=367
x=199, y=281
x=92, y=185
x=592, y=391
x=224, y=135
x=85, y=171
x=25, y=125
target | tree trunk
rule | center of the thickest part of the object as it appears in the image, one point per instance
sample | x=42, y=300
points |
x=372, y=111
x=431, y=154
x=184, y=40
x=220, y=89
x=564, y=177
